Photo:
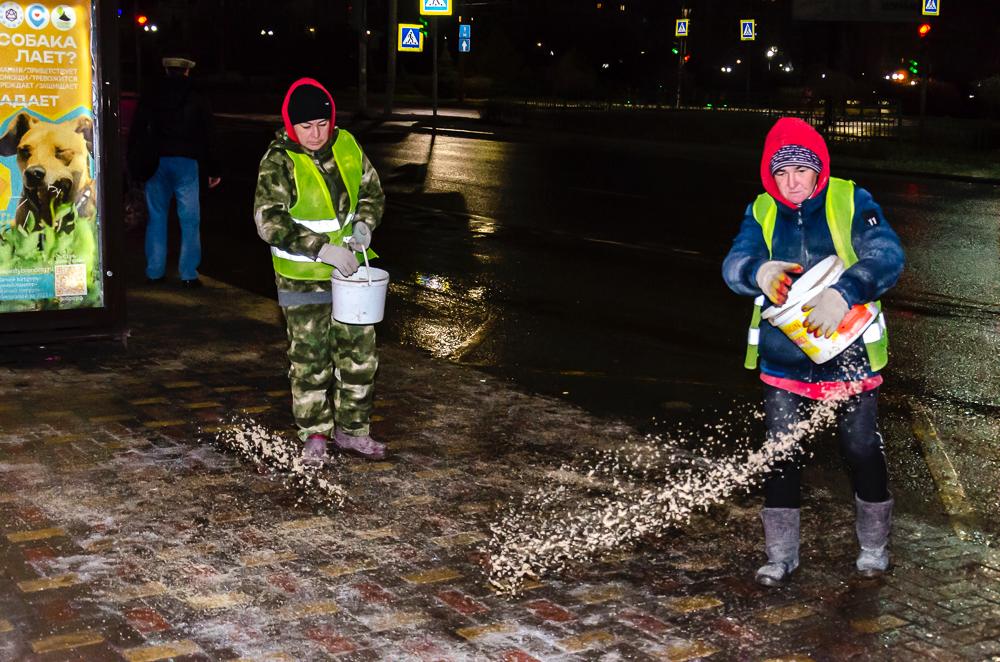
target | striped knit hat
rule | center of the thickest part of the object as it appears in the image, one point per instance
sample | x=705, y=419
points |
x=795, y=155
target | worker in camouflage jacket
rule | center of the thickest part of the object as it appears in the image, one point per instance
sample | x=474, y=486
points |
x=318, y=199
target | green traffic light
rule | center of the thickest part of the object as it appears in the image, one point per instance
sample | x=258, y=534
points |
x=674, y=51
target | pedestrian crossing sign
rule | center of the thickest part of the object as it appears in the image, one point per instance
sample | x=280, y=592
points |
x=681, y=30
x=411, y=39
x=748, y=31
x=435, y=7
x=932, y=7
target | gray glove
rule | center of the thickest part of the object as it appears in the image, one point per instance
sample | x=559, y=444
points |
x=828, y=311
x=361, y=238
x=340, y=258
x=773, y=279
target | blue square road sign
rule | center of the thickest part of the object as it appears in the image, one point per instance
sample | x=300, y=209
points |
x=435, y=7
x=411, y=38
x=464, y=45
x=465, y=31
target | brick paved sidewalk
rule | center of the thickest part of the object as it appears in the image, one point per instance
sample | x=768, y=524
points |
x=124, y=534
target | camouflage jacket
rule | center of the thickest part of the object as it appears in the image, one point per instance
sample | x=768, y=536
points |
x=276, y=194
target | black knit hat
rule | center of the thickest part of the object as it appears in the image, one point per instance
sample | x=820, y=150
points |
x=309, y=103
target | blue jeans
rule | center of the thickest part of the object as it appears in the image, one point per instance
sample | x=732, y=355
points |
x=860, y=446
x=175, y=177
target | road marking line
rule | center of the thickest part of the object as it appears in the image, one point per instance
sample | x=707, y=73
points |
x=474, y=340
x=950, y=490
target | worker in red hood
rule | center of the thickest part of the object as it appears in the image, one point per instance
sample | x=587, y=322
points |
x=804, y=216
x=318, y=200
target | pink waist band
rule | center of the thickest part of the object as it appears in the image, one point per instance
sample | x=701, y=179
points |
x=823, y=390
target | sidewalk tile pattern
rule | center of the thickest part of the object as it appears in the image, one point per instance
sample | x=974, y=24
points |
x=125, y=534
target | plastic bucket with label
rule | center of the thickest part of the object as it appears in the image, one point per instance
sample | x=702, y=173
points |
x=791, y=320
x=360, y=298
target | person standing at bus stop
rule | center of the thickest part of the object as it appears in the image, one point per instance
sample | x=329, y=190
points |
x=804, y=216
x=170, y=148
x=318, y=199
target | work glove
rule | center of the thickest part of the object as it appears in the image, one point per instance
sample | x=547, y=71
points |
x=340, y=258
x=828, y=309
x=361, y=238
x=774, y=281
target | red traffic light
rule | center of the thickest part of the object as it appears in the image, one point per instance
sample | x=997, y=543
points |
x=687, y=58
x=142, y=19
x=924, y=29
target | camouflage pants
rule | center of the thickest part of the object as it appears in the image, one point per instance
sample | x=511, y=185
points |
x=332, y=371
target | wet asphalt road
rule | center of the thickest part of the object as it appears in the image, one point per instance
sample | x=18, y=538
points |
x=589, y=269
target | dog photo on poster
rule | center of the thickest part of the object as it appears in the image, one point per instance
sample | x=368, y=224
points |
x=50, y=255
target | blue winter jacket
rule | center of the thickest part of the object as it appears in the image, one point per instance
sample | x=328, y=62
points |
x=802, y=235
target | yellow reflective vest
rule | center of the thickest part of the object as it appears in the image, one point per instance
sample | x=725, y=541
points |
x=839, y=218
x=314, y=208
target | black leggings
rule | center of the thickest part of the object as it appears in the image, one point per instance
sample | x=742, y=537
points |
x=860, y=445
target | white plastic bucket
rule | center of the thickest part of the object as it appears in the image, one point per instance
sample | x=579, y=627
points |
x=360, y=299
x=791, y=320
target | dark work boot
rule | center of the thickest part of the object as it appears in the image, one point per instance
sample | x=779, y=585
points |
x=874, y=521
x=781, y=543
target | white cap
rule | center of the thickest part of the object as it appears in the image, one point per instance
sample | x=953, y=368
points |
x=178, y=63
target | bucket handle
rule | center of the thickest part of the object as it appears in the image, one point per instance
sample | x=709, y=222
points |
x=368, y=269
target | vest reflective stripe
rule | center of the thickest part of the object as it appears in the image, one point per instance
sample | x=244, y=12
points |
x=314, y=208
x=839, y=218
x=753, y=335
x=324, y=226
x=876, y=330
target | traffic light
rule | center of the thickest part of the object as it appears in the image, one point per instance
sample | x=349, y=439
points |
x=687, y=57
x=924, y=30
x=423, y=22
x=141, y=20
x=914, y=67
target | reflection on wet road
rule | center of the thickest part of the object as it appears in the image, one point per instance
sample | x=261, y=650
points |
x=589, y=269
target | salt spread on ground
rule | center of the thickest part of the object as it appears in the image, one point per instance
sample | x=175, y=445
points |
x=632, y=493
x=281, y=456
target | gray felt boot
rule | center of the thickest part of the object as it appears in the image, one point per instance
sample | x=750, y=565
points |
x=781, y=542
x=874, y=521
